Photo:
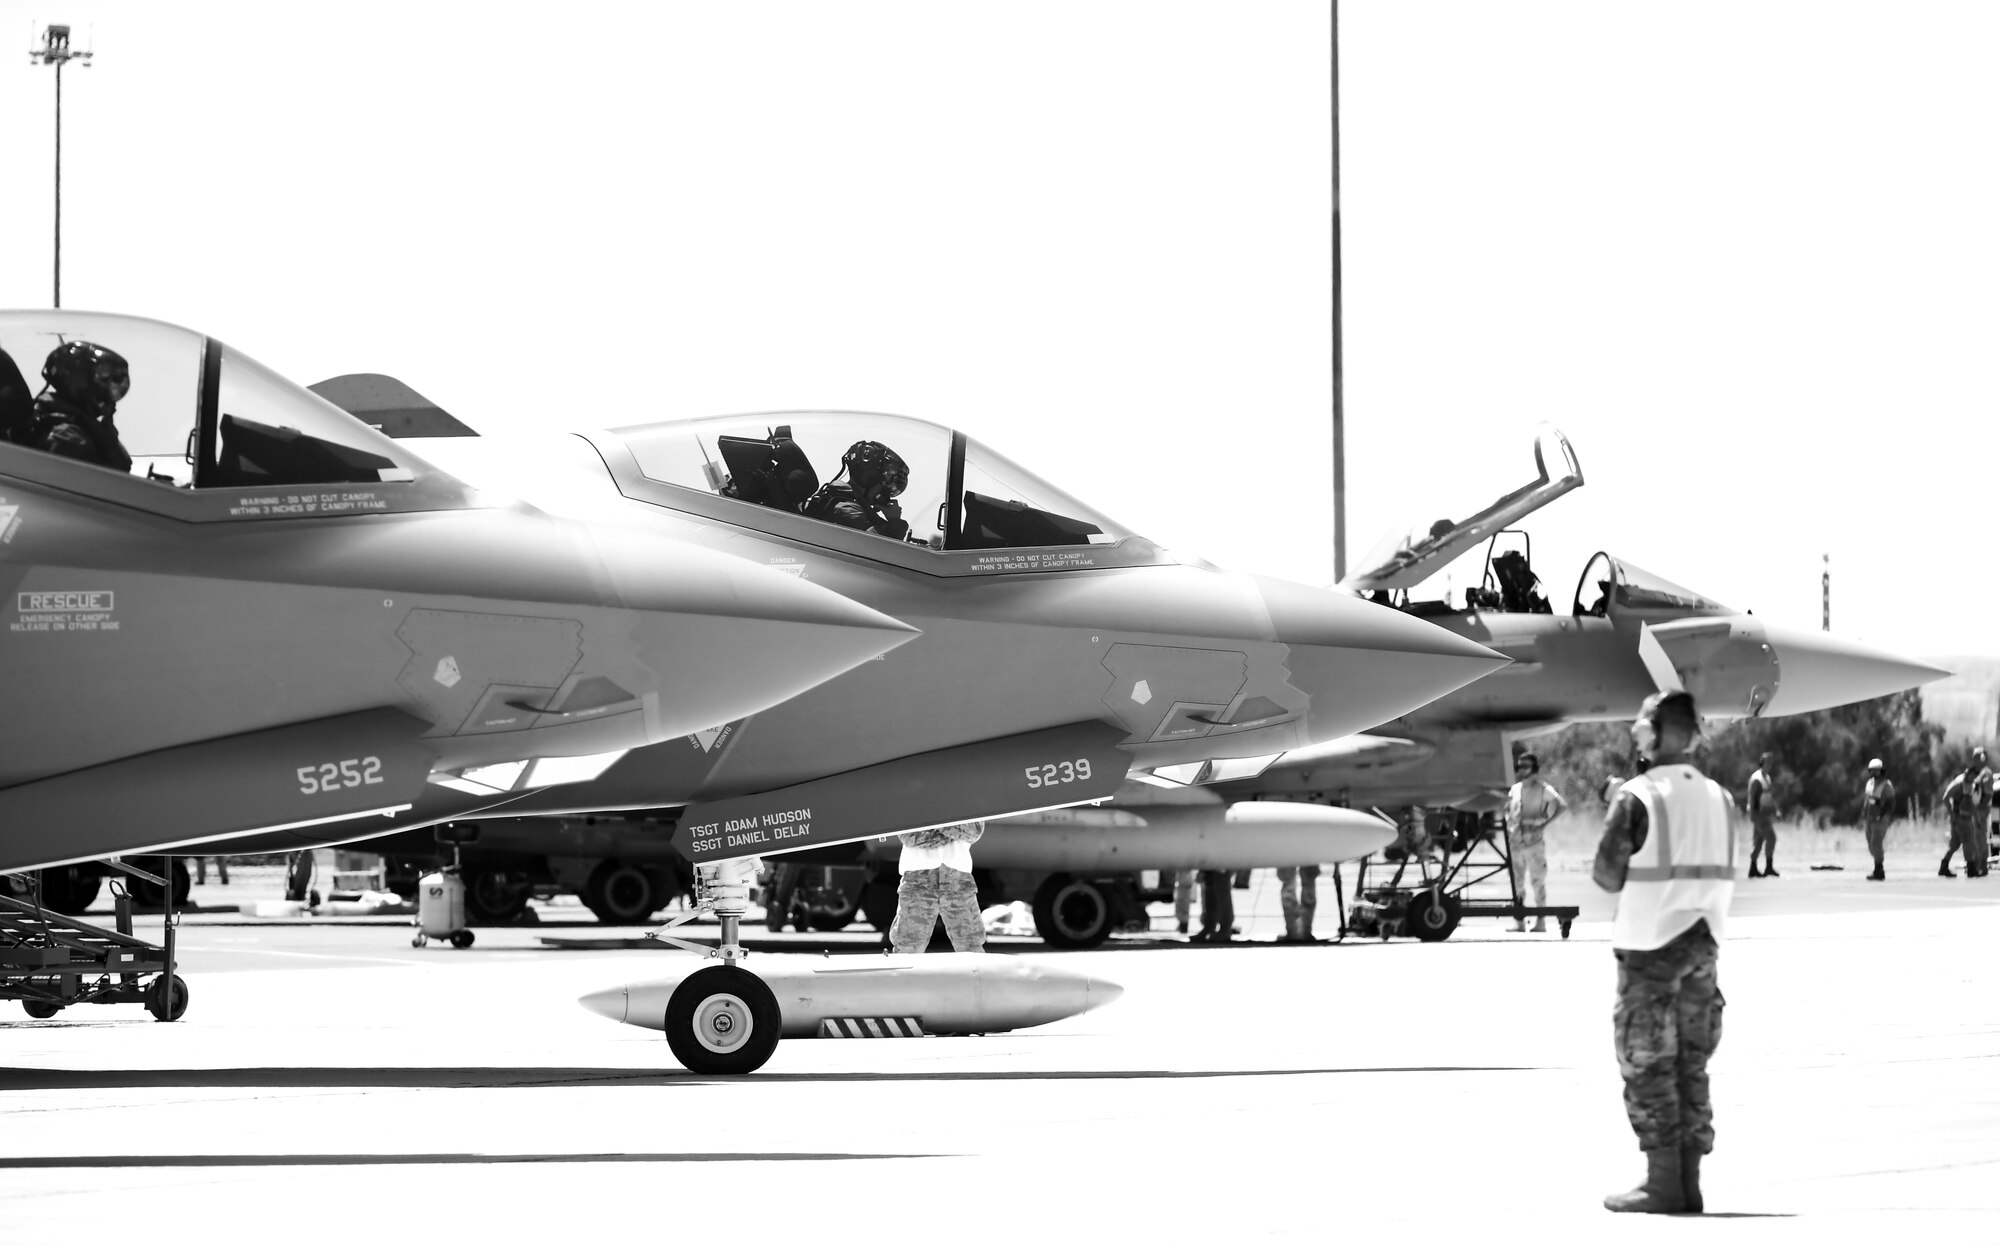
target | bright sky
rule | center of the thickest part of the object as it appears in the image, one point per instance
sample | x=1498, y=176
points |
x=1744, y=254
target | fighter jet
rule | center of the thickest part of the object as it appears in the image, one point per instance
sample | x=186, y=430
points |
x=1625, y=634
x=276, y=617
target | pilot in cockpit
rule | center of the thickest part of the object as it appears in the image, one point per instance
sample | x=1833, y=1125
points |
x=73, y=415
x=875, y=477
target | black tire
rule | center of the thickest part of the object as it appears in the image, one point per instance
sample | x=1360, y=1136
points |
x=167, y=998
x=71, y=889
x=495, y=897
x=1072, y=912
x=40, y=1010
x=461, y=938
x=722, y=1020
x=149, y=896
x=1432, y=916
x=620, y=893
x=835, y=911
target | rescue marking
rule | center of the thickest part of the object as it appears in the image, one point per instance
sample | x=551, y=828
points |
x=76, y=610
x=10, y=521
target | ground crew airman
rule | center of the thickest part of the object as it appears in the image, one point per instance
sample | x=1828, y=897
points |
x=1763, y=834
x=1667, y=850
x=1532, y=804
x=937, y=882
x=1298, y=896
x=1966, y=800
x=1878, y=803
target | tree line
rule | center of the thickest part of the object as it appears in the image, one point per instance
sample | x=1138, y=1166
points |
x=1821, y=758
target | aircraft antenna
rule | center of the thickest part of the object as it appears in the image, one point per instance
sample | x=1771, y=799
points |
x=1339, y=407
x=1826, y=592
x=56, y=50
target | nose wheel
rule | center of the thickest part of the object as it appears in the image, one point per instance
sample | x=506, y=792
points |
x=722, y=1020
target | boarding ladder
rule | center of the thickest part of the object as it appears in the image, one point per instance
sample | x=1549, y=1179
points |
x=50, y=960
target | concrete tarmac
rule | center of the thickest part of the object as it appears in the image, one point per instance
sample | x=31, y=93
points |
x=330, y=1083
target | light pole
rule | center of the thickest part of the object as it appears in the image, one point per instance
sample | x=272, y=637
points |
x=55, y=50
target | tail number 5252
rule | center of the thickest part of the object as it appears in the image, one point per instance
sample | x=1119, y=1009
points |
x=1059, y=772
x=333, y=775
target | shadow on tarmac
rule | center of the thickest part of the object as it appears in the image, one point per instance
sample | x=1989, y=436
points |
x=502, y=1078
x=339, y=1161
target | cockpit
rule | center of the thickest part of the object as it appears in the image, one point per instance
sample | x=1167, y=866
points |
x=941, y=491
x=1611, y=587
x=189, y=412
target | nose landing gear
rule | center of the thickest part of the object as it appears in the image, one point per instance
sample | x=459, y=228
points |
x=722, y=1020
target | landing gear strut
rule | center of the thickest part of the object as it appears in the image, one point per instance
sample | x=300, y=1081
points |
x=722, y=1019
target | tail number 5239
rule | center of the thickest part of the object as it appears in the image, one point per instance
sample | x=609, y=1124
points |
x=333, y=775
x=1057, y=773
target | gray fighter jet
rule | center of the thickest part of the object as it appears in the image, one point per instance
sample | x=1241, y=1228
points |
x=1625, y=634
x=227, y=606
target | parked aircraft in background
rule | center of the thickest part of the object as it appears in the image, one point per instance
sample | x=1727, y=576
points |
x=1625, y=634
x=281, y=619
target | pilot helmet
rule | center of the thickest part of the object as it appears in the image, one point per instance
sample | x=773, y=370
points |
x=88, y=375
x=874, y=470
x=1527, y=763
x=1875, y=763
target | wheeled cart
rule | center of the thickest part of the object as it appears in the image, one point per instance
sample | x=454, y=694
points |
x=1428, y=890
x=49, y=960
x=441, y=908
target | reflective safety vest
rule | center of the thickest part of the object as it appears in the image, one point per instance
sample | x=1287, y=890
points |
x=1686, y=870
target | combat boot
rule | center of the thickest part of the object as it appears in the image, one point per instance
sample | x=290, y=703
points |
x=1660, y=1194
x=1691, y=1180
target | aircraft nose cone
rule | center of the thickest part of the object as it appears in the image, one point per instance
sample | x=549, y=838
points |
x=1817, y=670
x=609, y=1002
x=726, y=638
x=1364, y=664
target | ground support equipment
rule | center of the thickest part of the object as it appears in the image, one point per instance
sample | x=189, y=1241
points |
x=49, y=960
x=1429, y=889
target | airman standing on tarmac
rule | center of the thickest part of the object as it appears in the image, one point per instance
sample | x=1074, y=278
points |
x=1966, y=800
x=936, y=866
x=1667, y=851
x=1298, y=896
x=1878, y=802
x=1532, y=804
x=1763, y=835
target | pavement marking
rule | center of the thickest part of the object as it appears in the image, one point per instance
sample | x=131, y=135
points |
x=265, y=951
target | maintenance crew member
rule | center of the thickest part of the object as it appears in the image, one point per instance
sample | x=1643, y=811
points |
x=1668, y=851
x=1967, y=813
x=1532, y=804
x=1298, y=896
x=937, y=882
x=1218, y=908
x=1762, y=808
x=1878, y=802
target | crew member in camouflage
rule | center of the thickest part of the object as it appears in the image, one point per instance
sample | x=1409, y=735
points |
x=937, y=882
x=1878, y=802
x=1667, y=850
x=1298, y=896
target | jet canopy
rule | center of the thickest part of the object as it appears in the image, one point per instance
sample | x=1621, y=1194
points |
x=1613, y=588
x=199, y=415
x=804, y=473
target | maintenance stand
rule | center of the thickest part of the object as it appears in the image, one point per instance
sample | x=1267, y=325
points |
x=49, y=960
x=1473, y=850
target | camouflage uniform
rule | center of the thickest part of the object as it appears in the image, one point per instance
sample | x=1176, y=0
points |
x=928, y=892
x=1666, y=1025
x=1878, y=800
x=1298, y=896
x=1966, y=799
x=1763, y=833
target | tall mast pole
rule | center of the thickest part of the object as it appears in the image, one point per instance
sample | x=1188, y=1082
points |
x=55, y=50
x=1339, y=406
